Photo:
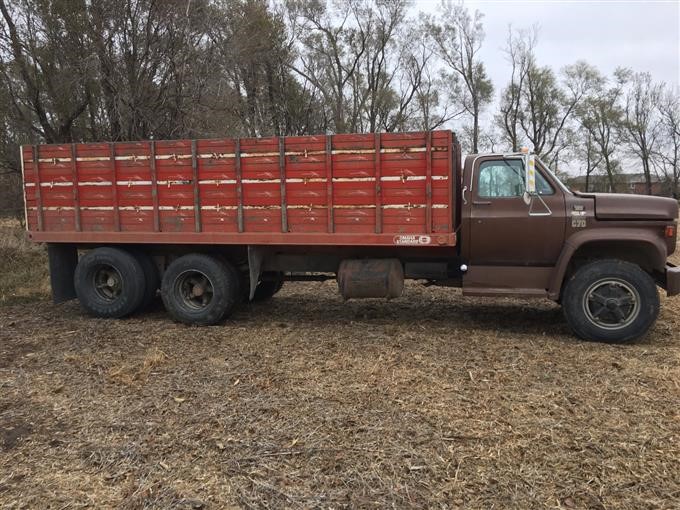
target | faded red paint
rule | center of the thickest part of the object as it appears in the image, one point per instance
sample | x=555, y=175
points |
x=293, y=190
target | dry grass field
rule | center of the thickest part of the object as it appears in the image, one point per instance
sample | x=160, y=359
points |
x=431, y=400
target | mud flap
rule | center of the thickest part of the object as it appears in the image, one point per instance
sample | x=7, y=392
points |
x=255, y=257
x=63, y=259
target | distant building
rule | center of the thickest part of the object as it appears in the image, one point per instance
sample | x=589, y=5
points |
x=625, y=183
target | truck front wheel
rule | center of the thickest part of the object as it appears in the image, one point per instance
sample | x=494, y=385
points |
x=109, y=282
x=200, y=289
x=610, y=301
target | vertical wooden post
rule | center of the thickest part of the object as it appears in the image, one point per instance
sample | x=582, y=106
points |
x=154, y=188
x=428, y=182
x=239, y=186
x=36, y=178
x=194, y=178
x=453, y=182
x=378, y=185
x=282, y=176
x=74, y=186
x=114, y=187
x=329, y=183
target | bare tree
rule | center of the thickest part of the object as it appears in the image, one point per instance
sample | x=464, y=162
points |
x=519, y=52
x=641, y=123
x=361, y=57
x=378, y=94
x=254, y=85
x=331, y=50
x=153, y=58
x=435, y=103
x=46, y=77
x=667, y=151
x=458, y=38
x=601, y=115
x=546, y=106
x=585, y=150
x=536, y=106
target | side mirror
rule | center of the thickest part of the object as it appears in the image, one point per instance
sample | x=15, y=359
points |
x=530, y=176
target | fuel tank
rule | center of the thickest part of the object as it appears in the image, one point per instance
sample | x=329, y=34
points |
x=370, y=278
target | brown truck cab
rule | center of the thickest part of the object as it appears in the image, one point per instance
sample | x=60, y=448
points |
x=211, y=223
x=599, y=255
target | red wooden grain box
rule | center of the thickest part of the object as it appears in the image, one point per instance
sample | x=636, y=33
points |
x=353, y=189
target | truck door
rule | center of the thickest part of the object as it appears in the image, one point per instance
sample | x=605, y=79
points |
x=503, y=230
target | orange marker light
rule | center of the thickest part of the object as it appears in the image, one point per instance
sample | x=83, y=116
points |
x=670, y=230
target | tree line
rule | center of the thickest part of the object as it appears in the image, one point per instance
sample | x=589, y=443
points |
x=78, y=70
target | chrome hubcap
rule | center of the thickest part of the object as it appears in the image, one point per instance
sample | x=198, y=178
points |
x=611, y=303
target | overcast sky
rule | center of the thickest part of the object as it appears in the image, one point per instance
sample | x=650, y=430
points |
x=643, y=35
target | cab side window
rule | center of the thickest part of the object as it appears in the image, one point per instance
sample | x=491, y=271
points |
x=505, y=178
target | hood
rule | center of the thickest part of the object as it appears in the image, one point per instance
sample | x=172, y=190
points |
x=620, y=206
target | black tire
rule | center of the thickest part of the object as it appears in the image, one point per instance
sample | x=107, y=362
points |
x=200, y=289
x=267, y=289
x=151, y=276
x=610, y=301
x=109, y=283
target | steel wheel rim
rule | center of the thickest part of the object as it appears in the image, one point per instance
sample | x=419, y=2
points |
x=611, y=303
x=107, y=282
x=195, y=289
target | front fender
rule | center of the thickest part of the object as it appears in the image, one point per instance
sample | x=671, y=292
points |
x=656, y=245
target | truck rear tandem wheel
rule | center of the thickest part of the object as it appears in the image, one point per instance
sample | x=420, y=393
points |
x=109, y=282
x=151, y=276
x=610, y=301
x=200, y=289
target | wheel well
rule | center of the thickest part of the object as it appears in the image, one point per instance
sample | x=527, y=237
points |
x=643, y=254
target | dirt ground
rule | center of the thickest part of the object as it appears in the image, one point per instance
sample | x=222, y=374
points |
x=431, y=400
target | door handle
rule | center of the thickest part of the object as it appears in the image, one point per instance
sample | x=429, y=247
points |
x=481, y=202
